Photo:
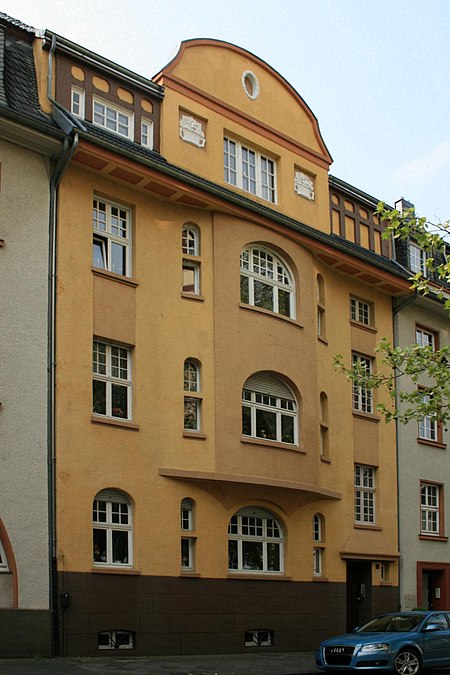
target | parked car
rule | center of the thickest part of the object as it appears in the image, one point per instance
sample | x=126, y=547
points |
x=404, y=642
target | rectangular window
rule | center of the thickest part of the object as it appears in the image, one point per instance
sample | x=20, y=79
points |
x=426, y=338
x=249, y=170
x=147, y=134
x=430, y=495
x=258, y=638
x=115, y=639
x=417, y=260
x=187, y=553
x=364, y=494
x=114, y=119
x=192, y=414
x=111, y=237
x=362, y=396
x=317, y=562
x=77, y=102
x=360, y=311
x=191, y=277
x=111, y=383
x=428, y=425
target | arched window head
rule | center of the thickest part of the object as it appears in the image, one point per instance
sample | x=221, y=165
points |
x=269, y=409
x=318, y=528
x=112, y=529
x=266, y=281
x=187, y=514
x=320, y=289
x=255, y=542
x=190, y=240
x=191, y=375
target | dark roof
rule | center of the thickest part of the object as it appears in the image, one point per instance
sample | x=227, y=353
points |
x=20, y=80
x=5, y=18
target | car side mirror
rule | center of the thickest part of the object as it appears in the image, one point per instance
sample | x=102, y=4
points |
x=430, y=627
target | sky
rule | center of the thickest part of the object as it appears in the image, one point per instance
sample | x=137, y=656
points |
x=376, y=73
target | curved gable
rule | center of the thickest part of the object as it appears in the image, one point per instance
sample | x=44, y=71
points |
x=208, y=69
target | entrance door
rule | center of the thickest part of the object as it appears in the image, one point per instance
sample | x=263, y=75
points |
x=359, y=593
x=433, y=592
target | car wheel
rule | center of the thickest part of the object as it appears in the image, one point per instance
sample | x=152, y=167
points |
x=407, y=662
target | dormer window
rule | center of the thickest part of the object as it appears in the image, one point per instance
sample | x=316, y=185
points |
x=417, y=260
x=77, y=102
x=147, y=134
x=114, y=119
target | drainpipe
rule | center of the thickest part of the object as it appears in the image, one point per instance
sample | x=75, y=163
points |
x=70, y=145
x=395, y=310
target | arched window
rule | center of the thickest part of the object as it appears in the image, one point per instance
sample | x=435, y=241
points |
x=318, y=539
x=190, y=240
x=112, y=529
x=266, y=281
x=255, y=542
x=269, y=409
x=190, y=246
x=193, y=401
x=188, y=540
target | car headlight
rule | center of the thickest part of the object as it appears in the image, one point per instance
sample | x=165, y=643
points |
x=375, y=647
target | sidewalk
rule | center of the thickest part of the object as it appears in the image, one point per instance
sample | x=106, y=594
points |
x=293, y=663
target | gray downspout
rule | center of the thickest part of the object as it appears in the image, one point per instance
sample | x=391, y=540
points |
x=395, y=310
x=70, y=145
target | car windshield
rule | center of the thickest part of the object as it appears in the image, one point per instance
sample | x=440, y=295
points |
x=401, y=623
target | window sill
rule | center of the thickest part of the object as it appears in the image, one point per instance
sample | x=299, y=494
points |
x=268, y=312
x=322, y=339
x=362, y=526
x=433, y=444
x=192, y=296
x=194, y=434
x=366, y=416
x=432, y=537
x=327, y=460
x=108, y=421
x=259, y=576
x=114, y=570
x=128, y=281
x=363, y=326
x=319, y=578
x=272, y=444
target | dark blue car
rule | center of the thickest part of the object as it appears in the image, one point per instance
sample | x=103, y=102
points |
x=404, y=642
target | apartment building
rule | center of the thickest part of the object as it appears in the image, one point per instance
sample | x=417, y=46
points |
x=218, y=486
x=30, y=146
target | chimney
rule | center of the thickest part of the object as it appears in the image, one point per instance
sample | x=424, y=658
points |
x=402, y=204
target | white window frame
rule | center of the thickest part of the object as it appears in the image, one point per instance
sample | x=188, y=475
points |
x=113, y=118
x=318, y=561
x=365, y=513
x=425, y=338
x=111, y=224
x=190, y=240
x=265, y=522
x=191, y=265
x=187, y=541
x=192, y=414
x=111, y=365
x=147, y=133
x=250, y=170
x=112, y=636
x=417, y=259
x=430, y=494
x=360, y=311
x=282, y=408
x=77, y=106
x=362, y=398
x=3, y=559
x=261, y=269
x=114, y=504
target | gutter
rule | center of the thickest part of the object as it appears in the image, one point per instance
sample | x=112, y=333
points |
x=70, y=145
